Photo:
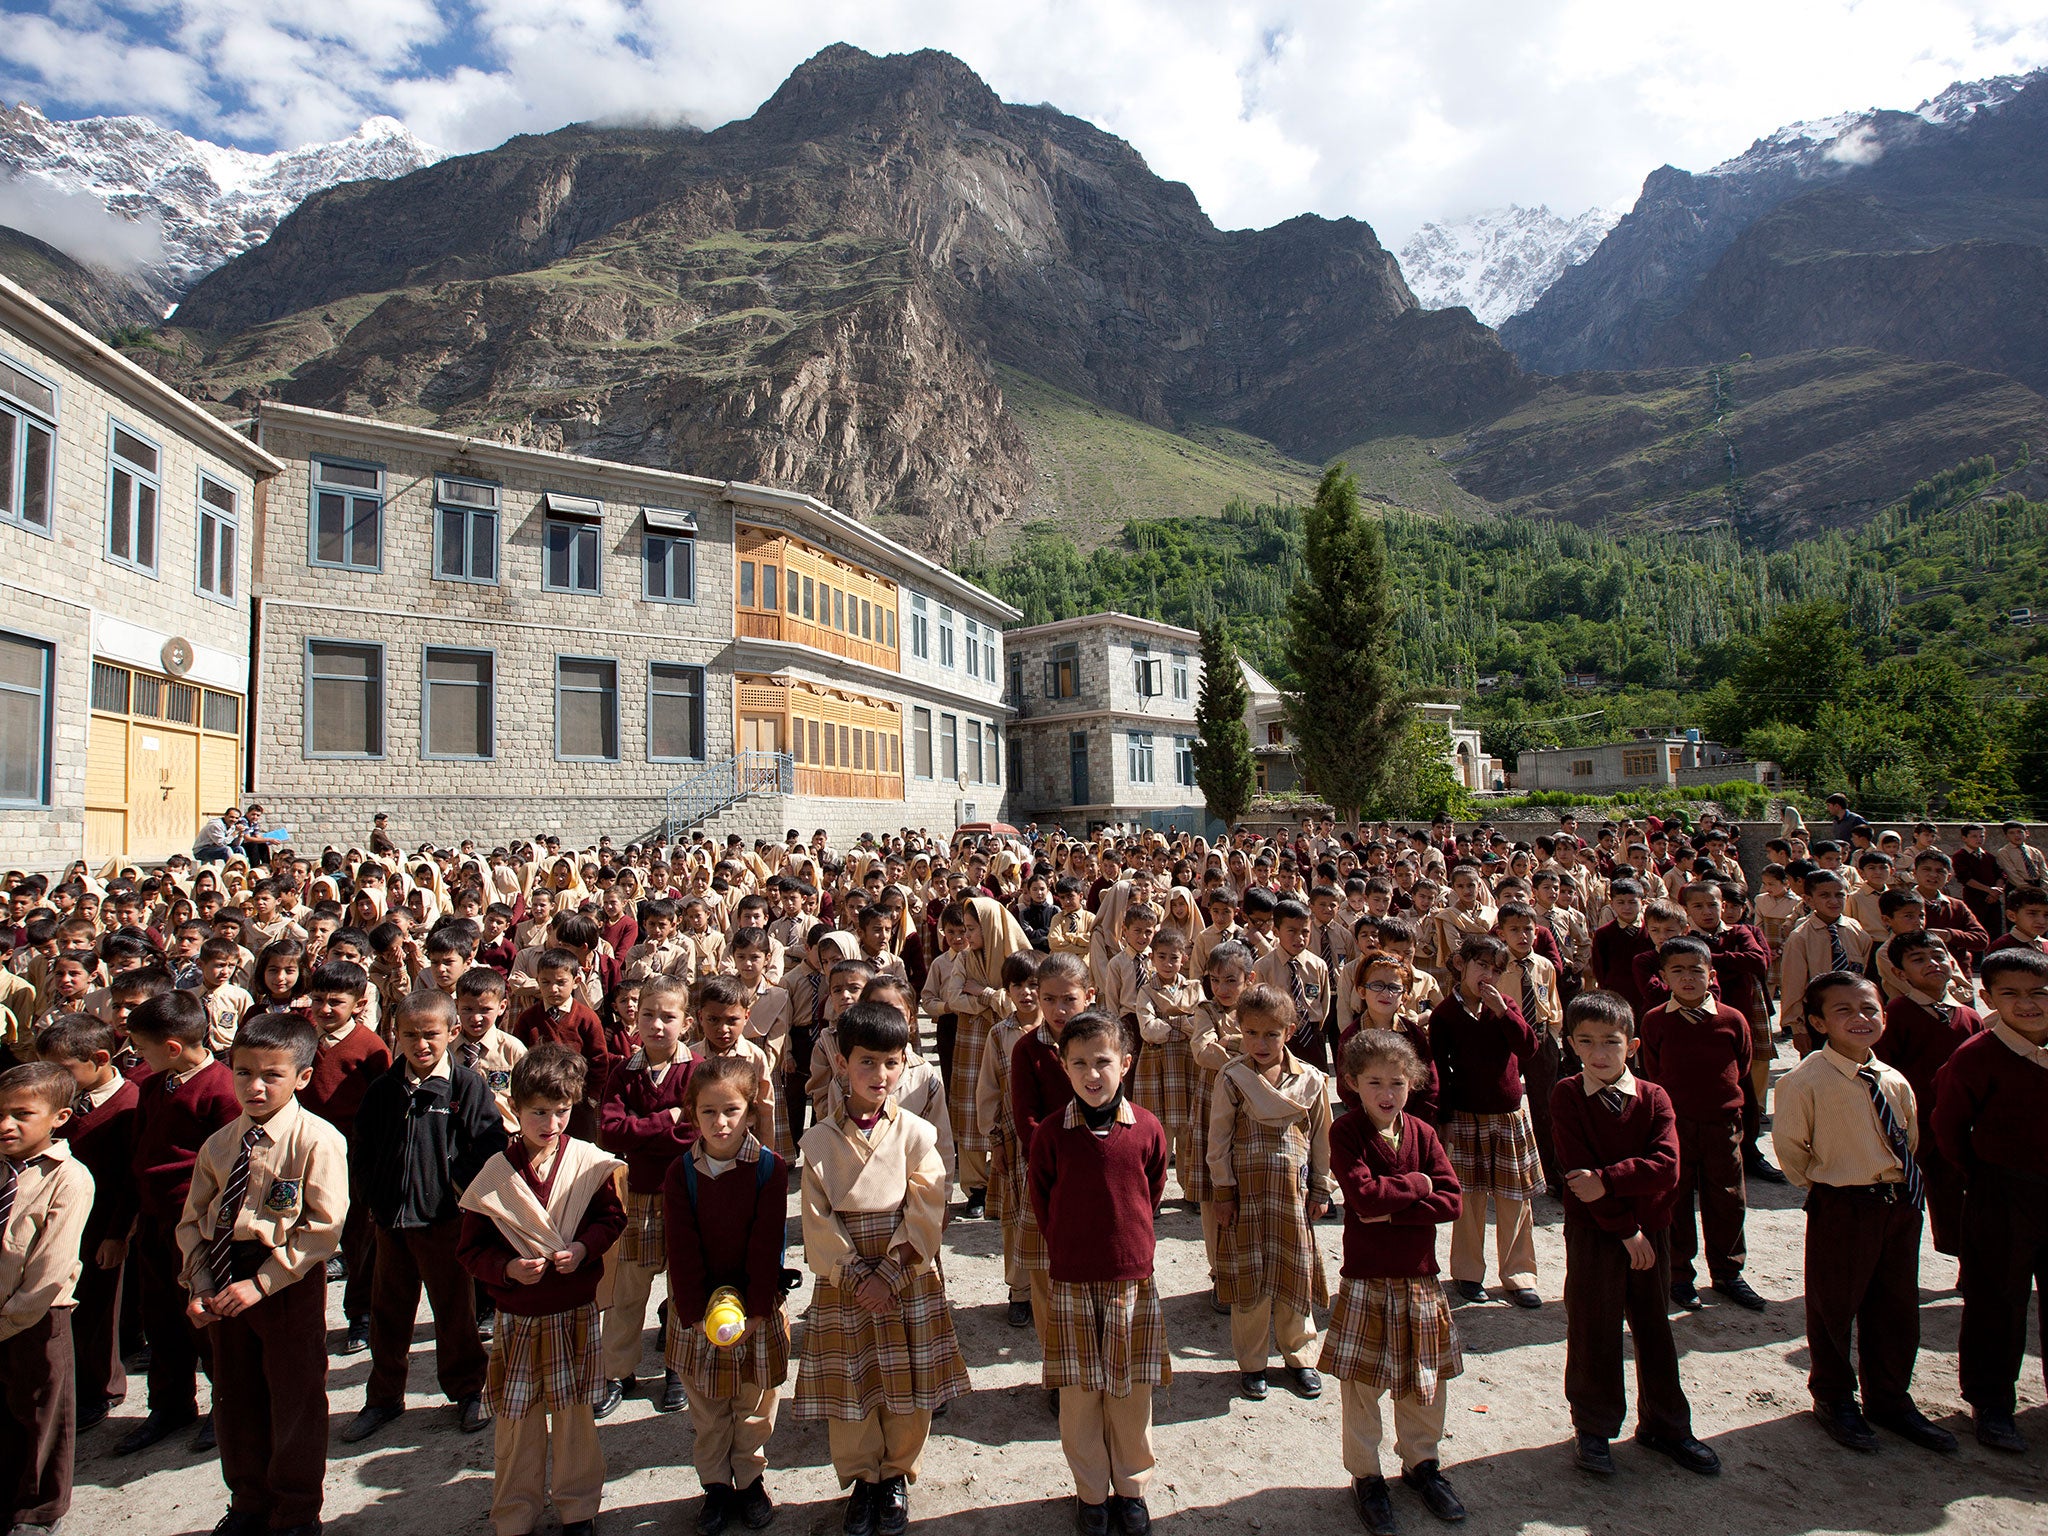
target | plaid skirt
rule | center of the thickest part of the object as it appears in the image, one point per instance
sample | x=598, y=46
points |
x=970, y=1041
x=551, y=1362
x=1494, y=1154
x=855, y=1363
x=1007, y=1194
x=1395, y=1335
x=1270, y=1251
x=1195, y=1183
x=1106, y=1336
x=1166, y=1086
x=645, y=1240
x=1032, y=1251
x=761, y=1362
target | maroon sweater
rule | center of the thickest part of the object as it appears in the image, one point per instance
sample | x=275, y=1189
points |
x=1992, y=1107
x=634, y=1122
x=732, y=1236
x=1919, y=1041
x=483, y=1251
x=342, y=1074
x=1378, y=1180
x=1039, y=1087
x=1094, y=1195
x=579, y=1029
x=1635, y=1153
x=1479, y=1060
x=1958, y=925
x=1742, y=962
x=170, y=1130
x=104, y=1140
x=1614, y=954
x=1701, y=1067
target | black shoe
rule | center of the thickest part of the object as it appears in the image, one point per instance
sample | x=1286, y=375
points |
x=860, y=1510
x=1216, y=1301
x=1375, y=1509
x=1469, y=1290
x=232, y=1524
x=1525, y=1297
x=1759, y=1167
x=312, y=1528
x=1434, y=1489
x=1846, y=1425
x=1019, y=1315
x=716, y=1509
x=1052, y=1402
x=357, y=1339
x=138, y=1360
x=337, y=1269
x=1685, y=1294
x=756, y=1509
x=1683, y=1449
x=614, y=1394
x=661, y=1328
x=94, y=1412
x=977, y=1204
x=1303, y=1382
x=1253, y=1385
x=1910, y=1423
x=156, y=1426
x=1132, y=1517
x=673, y=1398
x=892, y=1506
x=204, y=1441
x=1997, y=1432
x=475, y=1416
x=1592, y=1455
x=1091, y=1519
x=1739, y=1291
x=579, y=1528
x=368, y=1420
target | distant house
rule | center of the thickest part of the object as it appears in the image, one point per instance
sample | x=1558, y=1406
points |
x=1274, y=746
x=1676, y=758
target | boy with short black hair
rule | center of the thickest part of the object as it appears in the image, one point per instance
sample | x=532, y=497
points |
x=349, y=1058
x=1301, y=977
x=560, y=1014
x=1824, y=941
x=220, y=961
x=482, y=1045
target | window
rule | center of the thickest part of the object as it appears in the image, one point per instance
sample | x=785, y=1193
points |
x=1184, y=761
x=25, y=667
x=746, y=583
x=995, y=756
x=810, y=600
x=973, y=649
x=945, y=636
x=1146, y=670
x=675, y=713
x=457, y=704
x=219, y=536
x=949, y=746
x=795, y=588
x=1063, y=672
x=769, y=575
x=867, y=619
x=920, y=630
x=1016, y=677
x=132, y=497
x=466, y=530
x=889, y=615
x=1180, y=677
x=988, y=652
x=586, y=709
x=344, y=698
x=974, y=750
x=28, y=438
x=571, y=558
x=1582, y=767
x=670, y=564
x=921, y=742
x=1638, y=762
x=1141, y=757
x=813, y=734
x=348, y=515
x=1276, y=734
x=839, y=610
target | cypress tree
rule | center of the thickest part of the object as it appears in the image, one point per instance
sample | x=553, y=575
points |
x=1223, y=743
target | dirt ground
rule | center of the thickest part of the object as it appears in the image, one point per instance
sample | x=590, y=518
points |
x=1225, y=1464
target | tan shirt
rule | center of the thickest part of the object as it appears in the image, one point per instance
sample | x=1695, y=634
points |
x=671, y=957
x=921, y=1090
x=1122, y=985
x=1301, y=1096
x=1807, y=955
x=1825, y=1129
x=497, y=1054
x=39, y=1258
x=764, y=1080
x=1272, y=970
x=296, y=1199
x=894, y=1167
x=1070, y=932
x=225, y=1008
x=1531, y=984
x=1216, y=1039
x=1166, y=1010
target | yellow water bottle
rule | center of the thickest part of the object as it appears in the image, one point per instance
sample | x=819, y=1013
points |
x=725, y=1319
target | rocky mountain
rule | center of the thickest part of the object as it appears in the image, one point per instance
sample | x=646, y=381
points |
x=1978, y=147
x=101, y=300
x=1500, y=262
x=211, y=202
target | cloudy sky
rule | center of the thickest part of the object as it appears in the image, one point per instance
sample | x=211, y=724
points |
x=1396, y=111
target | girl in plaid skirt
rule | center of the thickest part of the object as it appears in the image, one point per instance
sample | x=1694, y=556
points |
x=725, y=1216
x=1215, y=1044
x=1165, y=1079
x=1006, y=1161
x=1269, y=1156
x=1391, y=1331
x=991, y=934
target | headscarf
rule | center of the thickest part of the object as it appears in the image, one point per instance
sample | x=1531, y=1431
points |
x=1001, y=937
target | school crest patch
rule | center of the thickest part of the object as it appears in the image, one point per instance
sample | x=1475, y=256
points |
x=283, y=1196
x=499, y=1081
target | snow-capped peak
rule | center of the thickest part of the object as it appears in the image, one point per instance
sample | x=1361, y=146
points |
x=1499, y=262
x=1822, y=144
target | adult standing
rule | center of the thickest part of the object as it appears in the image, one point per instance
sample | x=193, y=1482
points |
x=1843, y=821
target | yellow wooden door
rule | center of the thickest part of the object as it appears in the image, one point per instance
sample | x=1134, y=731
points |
x=220, y=776
x=163, y=790
x=106, y=790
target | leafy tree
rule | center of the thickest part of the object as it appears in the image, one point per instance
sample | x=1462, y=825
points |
x=1801, y=662
x=1422, y=783
x=1224, y=770
x=1348, y=711
x=2030, y=751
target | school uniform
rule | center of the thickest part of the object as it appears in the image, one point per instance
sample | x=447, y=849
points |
x=1391, y=1331
x=1125, y=976
x=921, y=1090
x=226, y=1006
x=1439, y=934
x=1812, y=949
x=267, y=1204
x=1533, y=985
x=973, y=1016
x=1920, y=1034
x=875, y=1380
x=1164, y=1081
x=1206, y=941
x=45, y=1203
x=492, y=1057
x=1483, y=1119
x=1336, y=946
x=1958, y=927
x=939, y=978
x=546, y=1372
x=1991, y=1124
x=1007, y=1194
x=1627, y=1134
x=1093, y=1194
x=346, y=1063
x=101, y=1134
x=2023, y=866
x=671, y=957
x=1863, y=1199
x=1700, y=1057
x=634, y=1122
x=1306, y=980
x=1615, y=949
x=578, y=1027
x=728, y=1233
x=1039, y=1090
x=1269, y=1144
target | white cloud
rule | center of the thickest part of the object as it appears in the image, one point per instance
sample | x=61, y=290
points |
x=79, y=224
x=1381, y=109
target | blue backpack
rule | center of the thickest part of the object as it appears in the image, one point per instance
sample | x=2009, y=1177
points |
x=764, y=1166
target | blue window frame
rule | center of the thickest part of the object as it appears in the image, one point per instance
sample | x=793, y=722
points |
x=346, y=528
x=466, y=519
x=458, y=704
x=668, y=560
x=26, y=668
x=675, y=713
x=344, y=698
x=28, y=448
x=586, y=709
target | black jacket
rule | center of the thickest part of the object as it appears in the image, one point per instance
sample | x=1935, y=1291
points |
x=1037, y=922
x=416, y=1149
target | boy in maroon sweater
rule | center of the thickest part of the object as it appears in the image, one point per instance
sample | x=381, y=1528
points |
x=1742, y=968
x=350, y=1057
x=1991, y=1121
x=1039, y=1091
x=186, y=1098
x=1618, y=1140
x=101, y=1132
x=563, y=1018
x=1697, y=1050
x=1923, y=1026
x=1098, y=1170
x=1616, y=944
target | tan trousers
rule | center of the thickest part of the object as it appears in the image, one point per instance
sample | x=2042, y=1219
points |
x=1180, y=1146
x=1015, y=1275
x=1417, y=1428
x=732, y=1434
x=519, y=1491
x=883, y=1444
x=973, y=1169
x=625, y=1320
x=1108, y=1441
x=1514, y=1236
x=1252, y=1324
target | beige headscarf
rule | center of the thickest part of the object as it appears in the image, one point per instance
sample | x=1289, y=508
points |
x=1001, y=937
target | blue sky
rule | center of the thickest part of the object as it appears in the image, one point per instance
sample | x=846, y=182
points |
x=1391, y=110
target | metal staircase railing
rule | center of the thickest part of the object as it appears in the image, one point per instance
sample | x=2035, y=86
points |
x=708, y=789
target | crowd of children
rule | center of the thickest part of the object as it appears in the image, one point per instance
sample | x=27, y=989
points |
x=538, y=1086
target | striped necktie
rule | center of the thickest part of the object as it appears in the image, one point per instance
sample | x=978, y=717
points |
x=472, y=1052
x=1895, y=1136
x=1838, y=952
x=8, y=1179
x=221, y=1250
x=1611, y=1099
